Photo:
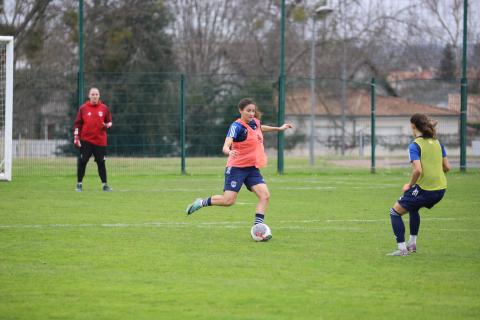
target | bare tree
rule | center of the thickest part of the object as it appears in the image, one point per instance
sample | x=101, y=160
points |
x=202, y=31
x=22, y=19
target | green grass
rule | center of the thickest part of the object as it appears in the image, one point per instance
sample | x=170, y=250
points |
x=133, y=254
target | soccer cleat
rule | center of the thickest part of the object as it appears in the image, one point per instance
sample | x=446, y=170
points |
x=106, y=188
x=412, y=247
x=398, y=253
x=197, y=204
x=79, y=187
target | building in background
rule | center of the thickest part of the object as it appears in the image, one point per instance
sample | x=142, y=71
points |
x=392, y=123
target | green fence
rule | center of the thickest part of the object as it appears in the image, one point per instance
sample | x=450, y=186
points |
x=163, y=121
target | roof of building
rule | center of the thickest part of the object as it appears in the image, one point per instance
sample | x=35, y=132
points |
x=473, y=106
x=358, y=104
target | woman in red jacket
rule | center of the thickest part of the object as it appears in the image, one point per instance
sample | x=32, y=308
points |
x=244, y=148
x=90, y=136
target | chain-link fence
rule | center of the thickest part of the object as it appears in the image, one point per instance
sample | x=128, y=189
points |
x=332, y=119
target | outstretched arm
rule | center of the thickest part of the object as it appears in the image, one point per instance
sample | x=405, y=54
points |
x=282, y=128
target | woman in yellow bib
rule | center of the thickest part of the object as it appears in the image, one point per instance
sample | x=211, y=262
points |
x=427, y=184
x=244, y=148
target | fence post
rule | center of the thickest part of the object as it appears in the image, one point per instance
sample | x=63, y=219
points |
x=182, y=123
x=464, y=94
x=372, y=123
x=280, y=121
x=281, y=91
x=80, y=84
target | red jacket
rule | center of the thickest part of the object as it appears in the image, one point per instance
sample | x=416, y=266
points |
x=90, y=123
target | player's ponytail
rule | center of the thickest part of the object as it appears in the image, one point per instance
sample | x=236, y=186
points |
x=247, y=101
x=425, y=125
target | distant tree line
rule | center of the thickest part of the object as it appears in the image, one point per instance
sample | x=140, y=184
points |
x=135, y=51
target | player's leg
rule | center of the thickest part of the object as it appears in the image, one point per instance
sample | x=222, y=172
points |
x=227, y=199
x=425, y=199
x=414, y=227
x=398, y=227
x=85, y=154
x=234, y=178
x=263, y=195
x=255, y=183
x=100, y=153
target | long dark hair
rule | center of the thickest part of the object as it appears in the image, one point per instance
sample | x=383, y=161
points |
x=247, y=101
x=425, y=125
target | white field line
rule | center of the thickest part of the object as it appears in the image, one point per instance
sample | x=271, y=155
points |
x=378, y=220
x=224, y=224
x=305, y=188
x=460, y=230
x=171, y=190
x=377, y=186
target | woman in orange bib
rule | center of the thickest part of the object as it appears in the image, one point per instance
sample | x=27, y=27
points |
x=244, y=148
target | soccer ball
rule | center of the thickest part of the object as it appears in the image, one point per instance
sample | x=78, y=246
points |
x=261, y=232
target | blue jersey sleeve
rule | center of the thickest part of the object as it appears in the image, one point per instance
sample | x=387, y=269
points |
x=234, y=130
x=444, y=152
x=414, y=151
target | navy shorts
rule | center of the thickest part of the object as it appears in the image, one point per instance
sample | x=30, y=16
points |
x=415, y=198
x=235, y=177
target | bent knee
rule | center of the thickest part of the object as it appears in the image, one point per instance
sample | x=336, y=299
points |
x=265, y=196
x=229, y=202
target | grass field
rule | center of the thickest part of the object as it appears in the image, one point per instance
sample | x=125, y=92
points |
x=133, y=254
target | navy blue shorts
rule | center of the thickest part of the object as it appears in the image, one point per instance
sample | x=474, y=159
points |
x=415, y=198
x=235, y=177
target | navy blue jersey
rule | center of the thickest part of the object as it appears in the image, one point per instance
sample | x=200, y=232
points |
x=238, y=132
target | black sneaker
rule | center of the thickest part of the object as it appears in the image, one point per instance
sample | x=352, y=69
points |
x=106, y=188
x=79, y=187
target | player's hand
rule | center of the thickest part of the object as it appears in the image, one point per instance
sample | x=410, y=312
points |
x=107, y=125
x=406, y=187
x=233, y=153
x=286, y=126
x=76, y=141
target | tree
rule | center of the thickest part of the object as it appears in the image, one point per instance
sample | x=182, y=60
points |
x=24, y=20
x=202, y=30
x=128, y=56
x=448, y=68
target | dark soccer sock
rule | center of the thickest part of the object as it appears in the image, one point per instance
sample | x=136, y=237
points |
x=414, y=222
x=207, y=202
x=259, y=218
x=397, y=225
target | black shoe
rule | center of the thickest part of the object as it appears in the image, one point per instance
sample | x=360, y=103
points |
x=106, y=188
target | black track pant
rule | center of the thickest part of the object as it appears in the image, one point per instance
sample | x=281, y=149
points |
x=99, y=153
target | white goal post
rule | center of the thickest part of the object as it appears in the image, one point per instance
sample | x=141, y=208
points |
x=6, y=106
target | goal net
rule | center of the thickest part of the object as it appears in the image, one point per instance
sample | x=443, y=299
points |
x=6, y=109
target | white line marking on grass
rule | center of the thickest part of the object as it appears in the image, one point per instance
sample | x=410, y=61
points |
x=226, y=224
x=378, y=220
x=305, y=188
x=355, y=220
x=166, y=190
x=460, y=230
x=379, y=186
